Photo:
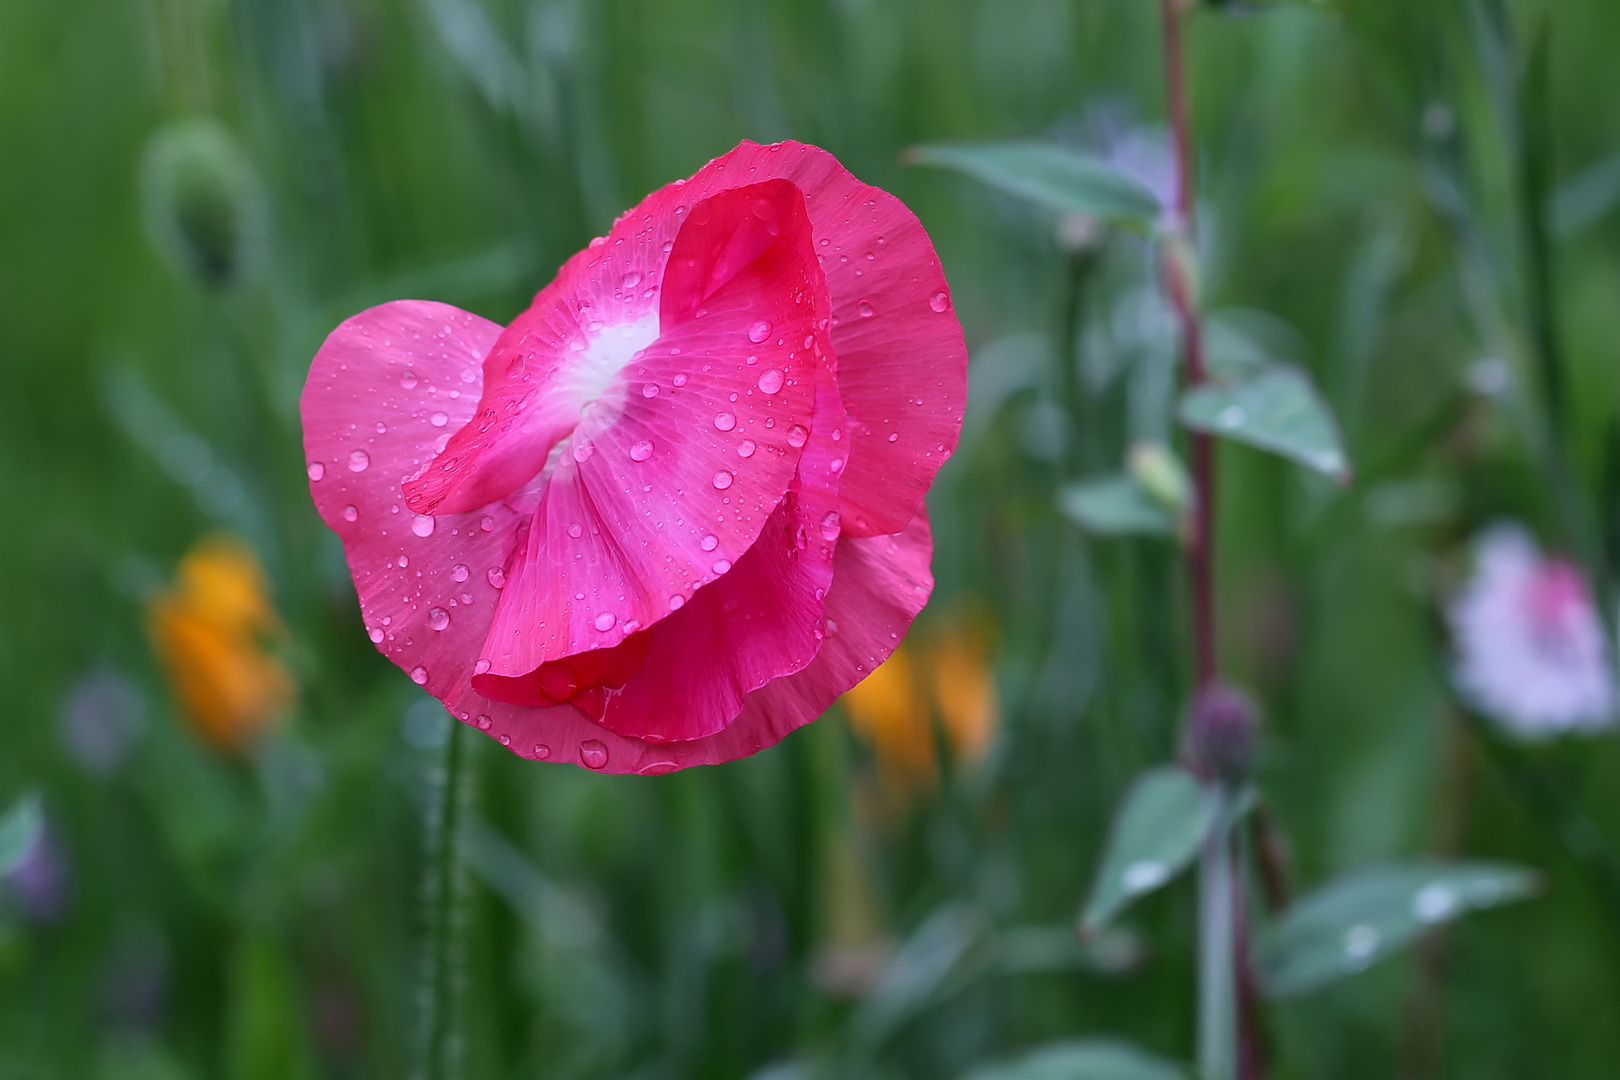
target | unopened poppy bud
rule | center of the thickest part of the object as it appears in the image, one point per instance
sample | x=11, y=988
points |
x=1223, y=734
x=1155, y=467
x=203, y=203
x=1179, y=263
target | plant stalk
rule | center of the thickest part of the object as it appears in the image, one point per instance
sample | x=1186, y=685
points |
x=445, y=894
x=1217, y=951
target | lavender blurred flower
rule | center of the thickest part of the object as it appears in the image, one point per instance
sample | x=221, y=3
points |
x=1530, y=648
x=38, y=885
x=100, y=720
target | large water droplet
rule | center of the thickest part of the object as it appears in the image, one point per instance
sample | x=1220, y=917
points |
x=709, y=543
x=722, y=479
x=677, y=602
x=438, y=618
x=316, y=470
x=650, y=390
x=830, y=526
x=483, y=722
x=576, y=530
x=745, y=448
x=542, y=751
x=506, y=740
x=939, y=301
x=604, y=622
x=725, y=421
x=1143, y=875
x=459, y=572
x=770, y=382
x=721, y=566
x=593, y=754
x=359, y=460
x=583, y=451
x=483, y=665
x=438, y=419
x=408, y=380
x=487, y=523
x=759, y=331
x=865, y=309
x=423, y=525
x=497, y=577
x=679, y=380
x=351, y=513
x=641, y=451
x=630, y=280
x=419, y=675
x=375, y=634
x=797, y=435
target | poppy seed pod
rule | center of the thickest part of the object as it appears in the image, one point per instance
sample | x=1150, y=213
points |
x=204, y=207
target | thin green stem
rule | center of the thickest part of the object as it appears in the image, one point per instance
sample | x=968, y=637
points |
x=445, y=893
x=1217, y=951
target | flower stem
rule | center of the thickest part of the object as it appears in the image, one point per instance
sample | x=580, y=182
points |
x=1217, y=951
x=445, y=895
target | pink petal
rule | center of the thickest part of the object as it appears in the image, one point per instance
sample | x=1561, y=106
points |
x=653, y=502
x=902, y=363
x=383, y=388
x=879, y=586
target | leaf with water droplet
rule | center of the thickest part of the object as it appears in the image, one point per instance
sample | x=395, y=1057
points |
x=1049, y=175
x=1349, y=924
x=1157, y=830
x=1277, y=410
x=1115, y=506
x=1082, y=1059
x=19, y=832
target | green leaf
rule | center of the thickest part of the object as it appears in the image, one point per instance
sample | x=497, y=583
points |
x=920, y=970
x=1050, y=176
x=1161, y=823
x=1115, y=506
x=1348, y=925
x=1277, y=410
x=1083, y=1059
x=19, y=830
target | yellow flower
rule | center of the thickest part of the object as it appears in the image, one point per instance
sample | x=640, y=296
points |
x=945, y=674
x=208, y=631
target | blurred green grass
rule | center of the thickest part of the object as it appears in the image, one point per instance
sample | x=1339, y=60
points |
x=459, y=151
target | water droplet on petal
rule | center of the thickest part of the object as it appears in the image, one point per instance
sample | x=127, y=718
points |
x=483, y=722
x=939, y=301
x=725, y=421
x=480, y=667
x=770, y=382
x=359, y=460
x=497, y=577
x=830, y=526
x=593, y=754
x=351, y=513
x=679, y=380
x=459, y=572
x=438, y=419
x=316, y=470
x=657, y=768
x=375, y=634
x=894, y=436
x=419, y=676
x=583, y=451
x=404, y=561
x=797, y=435
x=721, y=566
x=630, y=280
x=759, y=331
x=709, y=543
x=677, y=602
x=641, y=451
x=576, y=530
x=650, y=390
x=604, y=622
x=423, y=525
x=408, y=380
x=438, y=618
x=865, y=309
x=722, y=479
x=506, y=740
x=542, y=751
x=745, y=448
x=487, y=524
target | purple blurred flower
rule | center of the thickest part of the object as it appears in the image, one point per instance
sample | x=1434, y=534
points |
x=100, y=720
x=39, y=883
x=1531, y=652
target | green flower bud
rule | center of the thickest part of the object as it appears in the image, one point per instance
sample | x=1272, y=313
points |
x=204, y=205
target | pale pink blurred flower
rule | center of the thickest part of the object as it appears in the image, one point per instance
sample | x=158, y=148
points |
x=1530, y=648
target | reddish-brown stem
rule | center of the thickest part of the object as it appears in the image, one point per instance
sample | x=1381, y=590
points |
x=1178, y=272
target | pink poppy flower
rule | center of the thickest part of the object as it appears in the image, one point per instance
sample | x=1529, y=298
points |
x=674, y=509
x=1530, y=647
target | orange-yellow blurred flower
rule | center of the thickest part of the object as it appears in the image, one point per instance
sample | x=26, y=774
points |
x=946, y=674
x=209, y=631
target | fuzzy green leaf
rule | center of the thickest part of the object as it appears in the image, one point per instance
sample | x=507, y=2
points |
x=1115, y=506
x=1048, y=175
x=1277, y=410
x=1159, y=827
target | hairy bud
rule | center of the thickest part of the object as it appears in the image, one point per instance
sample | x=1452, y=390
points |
x=203, y=203
x=1223, y=734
